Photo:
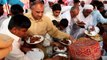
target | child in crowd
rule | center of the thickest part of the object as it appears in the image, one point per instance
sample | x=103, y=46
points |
x=62, y=25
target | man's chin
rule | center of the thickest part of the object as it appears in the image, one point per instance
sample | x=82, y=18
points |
x=38, y=18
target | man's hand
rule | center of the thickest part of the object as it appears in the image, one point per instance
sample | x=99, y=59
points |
x=92, y=28
x=80, y=24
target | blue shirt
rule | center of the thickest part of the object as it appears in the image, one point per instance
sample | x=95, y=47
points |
x=11, y=2
x=98, y=18
x=3, y=1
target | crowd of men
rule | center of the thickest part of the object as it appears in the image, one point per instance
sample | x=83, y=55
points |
x=54, y=20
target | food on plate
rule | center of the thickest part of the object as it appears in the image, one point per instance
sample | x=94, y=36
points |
x=96, y=37
x=33, y=39
x=91, y=28
x=65, y=41
x=59, y=47
x=92, y=31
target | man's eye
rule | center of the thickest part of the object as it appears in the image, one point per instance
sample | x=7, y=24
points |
x=37, y=12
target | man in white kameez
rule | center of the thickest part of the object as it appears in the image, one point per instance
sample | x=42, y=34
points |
x=72, y=28
x=85, y=15
x=84, y=20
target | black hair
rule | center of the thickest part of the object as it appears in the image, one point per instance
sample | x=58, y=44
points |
x=100, y=7
x=64, y=22
x=97, y=3
x=76, y=1
x=73, y=8
x=56, y=7
x=1, y=4
x=19, y=21
x=55, y=23
x=1, y=10
x=31, y=0
x=36, y=2
x=60, y=2
x=16, y=9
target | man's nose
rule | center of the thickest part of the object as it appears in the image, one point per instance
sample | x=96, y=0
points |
x=40, y=14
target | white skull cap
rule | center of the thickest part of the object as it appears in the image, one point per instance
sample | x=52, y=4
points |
x=88, y=6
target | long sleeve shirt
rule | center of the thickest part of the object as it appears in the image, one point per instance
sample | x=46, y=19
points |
x=43, y=26
x=97, y=17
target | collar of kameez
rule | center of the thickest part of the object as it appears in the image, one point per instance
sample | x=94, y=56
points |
x=31, y=18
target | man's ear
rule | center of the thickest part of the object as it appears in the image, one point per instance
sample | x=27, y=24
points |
x=14, y=30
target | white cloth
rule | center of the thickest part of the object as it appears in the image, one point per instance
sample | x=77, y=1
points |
x=88, y=6
x=4, y=25
x=47, y=8
x=65, y=8
x=67, y=16
x=16, y=53
x=36, y=54
x=71, y=21
x=51, y=1
x=47, y=41
x=52, y=17
x=104, y=57
x=2, y=18
x=74, y=30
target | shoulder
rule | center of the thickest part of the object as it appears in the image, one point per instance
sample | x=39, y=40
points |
x=5, y=40
x=95, y=12
x=46, y=18
x=5, y=37
x=28, y=14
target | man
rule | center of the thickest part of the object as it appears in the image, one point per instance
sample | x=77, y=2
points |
x=85, y=16
x=98, y=18
x=16, y=28
x=73, y=29
x=65, y=10
x=70, y=15
x=41, y=25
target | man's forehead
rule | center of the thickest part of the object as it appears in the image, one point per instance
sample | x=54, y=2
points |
x=38, y=6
